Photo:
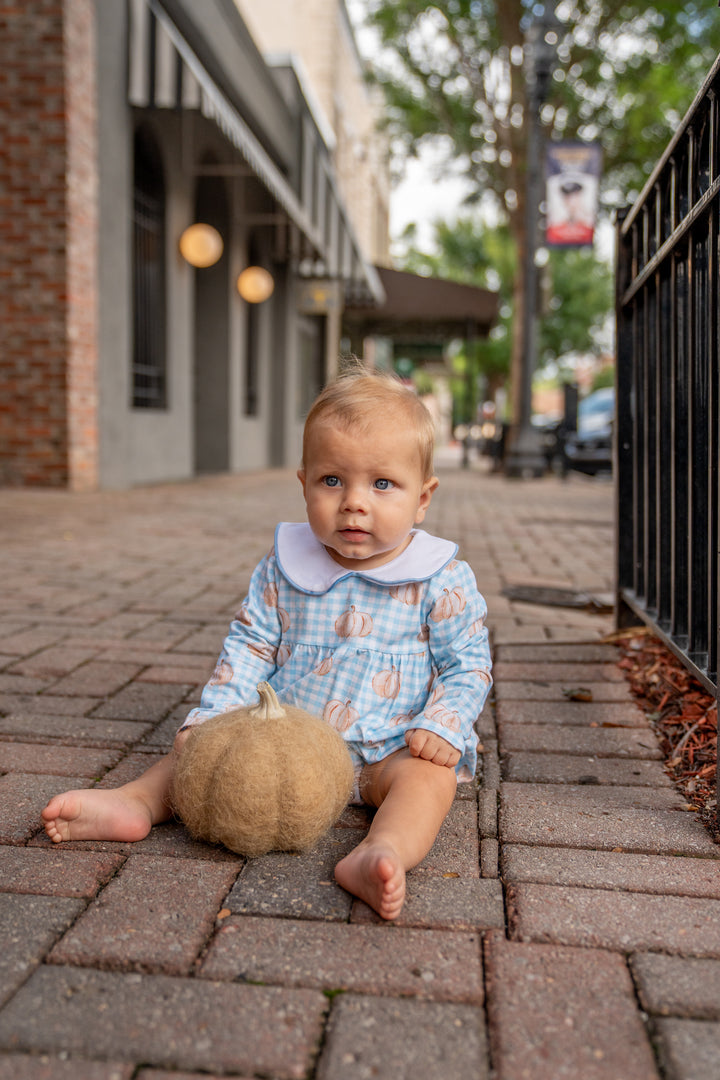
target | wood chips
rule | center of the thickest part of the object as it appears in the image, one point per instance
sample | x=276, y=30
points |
x=683, y=715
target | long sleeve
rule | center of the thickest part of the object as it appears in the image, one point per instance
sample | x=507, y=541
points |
x=250, y=650
x=459, y=646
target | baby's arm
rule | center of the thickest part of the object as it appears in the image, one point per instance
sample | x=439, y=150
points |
x=431, y=747
x=250, y=650
x=458, y=643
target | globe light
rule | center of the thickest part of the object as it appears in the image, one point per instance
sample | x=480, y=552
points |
x=255, y=284
x=201, y=245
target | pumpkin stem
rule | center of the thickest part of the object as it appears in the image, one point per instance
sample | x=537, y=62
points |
x=269, y=707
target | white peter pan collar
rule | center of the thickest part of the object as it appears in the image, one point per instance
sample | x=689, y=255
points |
x=306, y=564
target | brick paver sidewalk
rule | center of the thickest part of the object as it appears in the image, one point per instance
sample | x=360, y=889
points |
x=566, y=923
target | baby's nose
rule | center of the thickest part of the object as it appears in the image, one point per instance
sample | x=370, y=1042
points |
x=355, y=497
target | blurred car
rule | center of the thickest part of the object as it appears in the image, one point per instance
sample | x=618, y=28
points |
x=589, y=449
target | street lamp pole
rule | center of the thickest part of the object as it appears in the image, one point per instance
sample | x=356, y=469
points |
x=525, y=457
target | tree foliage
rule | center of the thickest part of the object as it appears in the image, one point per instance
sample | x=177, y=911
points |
x=626, y=72
x=575, y=293
x=455, y=71
x=578, y=299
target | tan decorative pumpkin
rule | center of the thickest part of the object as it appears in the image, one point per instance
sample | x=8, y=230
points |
x=340, y=715
x=270, y=594
x=353, y=623
x=484, y=675
x=451, y=603
x=387, y=683
x=222, y=674
x=402, y=718
x=266, y=778
x=243, y=615
x=410, y=593
x=264, y=651
x=436, y=711
x=440, y=714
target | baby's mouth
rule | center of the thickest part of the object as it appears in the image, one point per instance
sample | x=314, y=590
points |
x=352, y=533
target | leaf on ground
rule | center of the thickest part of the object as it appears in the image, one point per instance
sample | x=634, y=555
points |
x=577, y=693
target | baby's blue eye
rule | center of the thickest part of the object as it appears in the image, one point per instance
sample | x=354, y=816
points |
x=383, y=485
x=331, y=481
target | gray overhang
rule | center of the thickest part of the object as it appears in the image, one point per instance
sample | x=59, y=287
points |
x=419, y=308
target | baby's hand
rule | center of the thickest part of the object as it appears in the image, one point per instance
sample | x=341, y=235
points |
x=431, y=747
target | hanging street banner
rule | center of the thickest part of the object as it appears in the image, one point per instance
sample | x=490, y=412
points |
x=572, y=177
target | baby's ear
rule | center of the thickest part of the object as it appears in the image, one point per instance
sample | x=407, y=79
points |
x=301, y=478
x=426, y=495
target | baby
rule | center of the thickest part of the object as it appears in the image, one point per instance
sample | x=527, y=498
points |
x=356, y=616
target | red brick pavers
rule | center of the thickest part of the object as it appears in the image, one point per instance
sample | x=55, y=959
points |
x=607, y=876
x=563, y=925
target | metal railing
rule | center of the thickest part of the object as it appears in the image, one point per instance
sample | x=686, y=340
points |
x=668, y=299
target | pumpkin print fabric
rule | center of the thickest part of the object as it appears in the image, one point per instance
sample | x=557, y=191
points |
x=373, y=658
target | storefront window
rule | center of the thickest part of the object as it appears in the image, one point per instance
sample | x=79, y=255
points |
x=149, y=374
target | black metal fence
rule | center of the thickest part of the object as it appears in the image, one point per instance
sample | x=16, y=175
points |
x=667, y=394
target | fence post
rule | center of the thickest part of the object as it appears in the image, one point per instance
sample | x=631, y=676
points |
x=623, y=434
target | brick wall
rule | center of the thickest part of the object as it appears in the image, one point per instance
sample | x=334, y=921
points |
x=82, y=238
x=48, y=236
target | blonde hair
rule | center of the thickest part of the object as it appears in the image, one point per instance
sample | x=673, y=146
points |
x=354, y=399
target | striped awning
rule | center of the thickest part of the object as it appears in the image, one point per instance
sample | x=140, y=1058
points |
x=165, y=72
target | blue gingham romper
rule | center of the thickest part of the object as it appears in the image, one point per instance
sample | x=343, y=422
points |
x=373, y=652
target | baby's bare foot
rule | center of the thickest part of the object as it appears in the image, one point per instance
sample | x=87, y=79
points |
x=373, y=872
x=90, y=814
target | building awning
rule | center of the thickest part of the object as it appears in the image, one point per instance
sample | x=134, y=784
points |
x=165, y=72
x=418, y=308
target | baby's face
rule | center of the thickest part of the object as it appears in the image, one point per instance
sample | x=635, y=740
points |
x=364, y=492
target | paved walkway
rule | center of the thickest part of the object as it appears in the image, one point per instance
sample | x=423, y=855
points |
x=565, y=925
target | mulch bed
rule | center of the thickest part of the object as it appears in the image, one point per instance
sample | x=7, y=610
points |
x=683, y=715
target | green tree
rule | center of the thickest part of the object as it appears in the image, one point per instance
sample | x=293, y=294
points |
x=577, y=300
x=576, y=292
x=626, y=72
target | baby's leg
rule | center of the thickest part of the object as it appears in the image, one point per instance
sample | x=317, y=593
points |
x=413, y=797
x=125, y=813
